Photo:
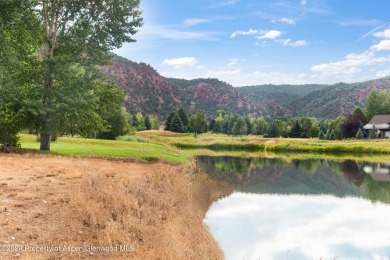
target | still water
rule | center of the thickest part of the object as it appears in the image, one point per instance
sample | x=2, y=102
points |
x=302, y=209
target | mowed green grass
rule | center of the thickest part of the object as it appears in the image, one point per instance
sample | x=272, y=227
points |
x=148, y=151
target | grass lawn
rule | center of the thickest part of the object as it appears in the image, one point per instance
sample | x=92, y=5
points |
x=366, y=147
x=148, y=151
x=162, y=145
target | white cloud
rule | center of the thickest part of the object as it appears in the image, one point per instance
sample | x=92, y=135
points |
x=299, y=43
x=382, y=73
x=285, y=20
x=298, y=227
x=271, y=34
x=303, y=2
x=184, y=62
x=250, y=32
x=195, y=21
x=232, y=62
x=385, y=34
x=351, y=65
x=288, y=20
x=382, y=46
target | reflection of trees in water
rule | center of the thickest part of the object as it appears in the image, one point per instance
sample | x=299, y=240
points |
x=376, y=190
x=300, y=176
x=353, y=172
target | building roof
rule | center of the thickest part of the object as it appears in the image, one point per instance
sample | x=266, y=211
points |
x=380, y=122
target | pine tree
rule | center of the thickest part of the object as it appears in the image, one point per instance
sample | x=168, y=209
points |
x=332, y=135
x=359, y=134
x=321, y=135
x=176, y=124
x=134, y=121
x=148, y=123
x=168, y=121
x=296, y=130
x=327, y=135
x=273, y=130
x=184, y=118
x=373, y=134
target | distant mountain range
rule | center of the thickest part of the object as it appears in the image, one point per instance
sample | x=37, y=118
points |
x=150, y=93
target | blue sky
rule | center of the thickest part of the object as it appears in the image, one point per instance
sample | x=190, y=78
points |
x=252, y=42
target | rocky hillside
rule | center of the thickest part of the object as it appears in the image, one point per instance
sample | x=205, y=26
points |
x=338, y=99
x=150, y=93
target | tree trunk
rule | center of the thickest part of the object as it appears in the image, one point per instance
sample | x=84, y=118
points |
x=45, y=141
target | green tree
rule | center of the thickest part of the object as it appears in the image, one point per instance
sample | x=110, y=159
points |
x=134, y=121
x=198, y=123
x=321, y=135
x=336, y=126
x=359, y=112
x=296, y=130
x=148, y=123
x=17, y=25
x=176, y=125
x=359, y=134
x=240, y=127
x=377, y=104
x=155, y=123
x=260, y=126
x=141, y=122
x=168, y=122
x=273, y=130
x=118, y=125
x=249, y=125
x=373, y=133
x=72, y=34
x=183, y=117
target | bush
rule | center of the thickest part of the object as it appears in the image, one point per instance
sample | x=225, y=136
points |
x=9, y=132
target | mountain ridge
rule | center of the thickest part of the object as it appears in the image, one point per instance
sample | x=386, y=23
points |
x=149, y=92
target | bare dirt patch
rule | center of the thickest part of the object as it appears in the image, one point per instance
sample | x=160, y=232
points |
x=134, y=210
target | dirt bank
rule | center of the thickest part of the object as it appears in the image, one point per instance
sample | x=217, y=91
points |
x=76, y=208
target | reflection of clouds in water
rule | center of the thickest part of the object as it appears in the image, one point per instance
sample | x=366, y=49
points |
x=254, y=226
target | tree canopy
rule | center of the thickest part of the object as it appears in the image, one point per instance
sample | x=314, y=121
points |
x=56, y=45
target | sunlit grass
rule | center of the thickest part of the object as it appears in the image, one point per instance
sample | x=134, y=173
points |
x=110, y=148
x=377, y=146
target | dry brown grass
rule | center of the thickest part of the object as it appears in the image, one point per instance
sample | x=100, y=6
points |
x=57, y=201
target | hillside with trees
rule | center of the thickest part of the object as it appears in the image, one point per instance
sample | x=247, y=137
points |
x=148, y=92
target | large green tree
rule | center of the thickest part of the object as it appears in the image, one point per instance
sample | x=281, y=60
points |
x=377, y=104
x=240, y=127
x=16, y=63
x=176, y=125
x=72, y=36
x=198, y=123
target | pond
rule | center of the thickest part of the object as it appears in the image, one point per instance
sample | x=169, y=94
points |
x=301, y=209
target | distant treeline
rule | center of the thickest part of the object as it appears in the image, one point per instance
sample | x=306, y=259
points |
x=377, y=103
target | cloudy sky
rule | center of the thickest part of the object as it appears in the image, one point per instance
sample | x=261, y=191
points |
x=251, y=42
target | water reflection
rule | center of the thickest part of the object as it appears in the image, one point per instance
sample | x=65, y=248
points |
x=271, y=226
x=264, y=175
x=306, y=209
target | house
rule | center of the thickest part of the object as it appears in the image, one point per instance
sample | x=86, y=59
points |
x=382, y=124
x=379, y=172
